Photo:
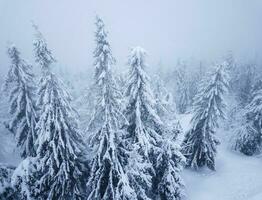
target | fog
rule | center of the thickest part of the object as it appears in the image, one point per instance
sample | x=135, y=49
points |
x=167, y=29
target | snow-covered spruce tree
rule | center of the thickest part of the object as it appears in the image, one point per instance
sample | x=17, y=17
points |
x=166, y=108
x=144, y=123
x=233, y=72
x=182, y=88
x=246, y=81
x=144, y=129
x=107, y=179
x=146, y=133
x=193, y=80
x=199, y=146
x=59, y=143
x=19, y=84
x=171, y=161
x=164, y=100
x=249, y=134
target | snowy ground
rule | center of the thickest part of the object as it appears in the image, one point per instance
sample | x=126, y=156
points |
x=237, y=177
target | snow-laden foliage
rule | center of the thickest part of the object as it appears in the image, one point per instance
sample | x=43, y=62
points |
x=171, y=161
x=165, y=104
x=19, y=84
x=199, y=145
x=141, y=137
x=166, y=107
x=242, y=79
x=6, y=190
x=102, y=54
x=183, y=82
x=107, y=179
x=146, y=131
x=246, y=84
x=43, y=55
x=233, y=72
x=23, y=181
x=145, y=125
x=59, y=143
x=249, y=135
x=182, y=88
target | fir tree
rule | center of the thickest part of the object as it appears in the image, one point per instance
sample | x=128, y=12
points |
x=199, y=145
x=193, y=80
x=249, y=135
x=171, y=161
x=146, y=132
x=182, y=88
x=59, y=143
x=233, y=71
x=164, y=99
x=144, y=123
x=107, y=179
x=246, y=85
x=165, y=107
x=20, y=85
x=59, y=169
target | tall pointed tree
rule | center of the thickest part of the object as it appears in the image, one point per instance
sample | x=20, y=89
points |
x=59, y=143
x=107, y=179
x=144, y=123
x=200, y=142
x=19, y=83
x=246, y=82
x=146, y=133
x=182, y=88
x=143, y=139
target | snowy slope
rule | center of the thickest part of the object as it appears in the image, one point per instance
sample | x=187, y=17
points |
x=237, y=177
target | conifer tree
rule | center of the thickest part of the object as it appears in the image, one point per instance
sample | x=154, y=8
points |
x=58, y=170
x=199, y=146
x=171, y=161
x=107, y=179
x=166, y=108
x=249, y=134
x=164, y=100
x=144, y=123
x=246, y=83
x=144, y=135
x=182, y=88
x=146, y=132
x=20, y=85
x=233, y=71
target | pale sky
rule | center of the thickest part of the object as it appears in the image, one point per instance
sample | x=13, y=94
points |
x=167, y=29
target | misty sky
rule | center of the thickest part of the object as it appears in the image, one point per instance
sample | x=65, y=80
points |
x=167, y=29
